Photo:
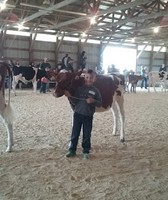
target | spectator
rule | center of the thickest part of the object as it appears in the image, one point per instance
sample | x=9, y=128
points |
x=44, y=82
x=65, y=62
x=45, y=65
x=70, y=64
x=83, y=60
x=144, y=75
x=59, y=65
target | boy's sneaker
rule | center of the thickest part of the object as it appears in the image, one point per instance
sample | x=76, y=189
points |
x=85, y=156
x=71, y=154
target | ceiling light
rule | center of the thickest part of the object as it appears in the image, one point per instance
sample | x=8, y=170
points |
x=133, y=40
x=93, y=20
x=2, y=6
x=20, y=26
x=83, y=34
x=156, y=29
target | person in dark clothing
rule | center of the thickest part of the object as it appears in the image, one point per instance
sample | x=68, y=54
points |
x=64, y=62
x=59, y=65
x=162, y=71
x=83, y=60
x=70, y=65
x=144, y=75
x=31, y=64
x=86, y=99
x=45, y=65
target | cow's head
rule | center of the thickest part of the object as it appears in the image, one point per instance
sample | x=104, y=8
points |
x=52, y=74
x=67, y=81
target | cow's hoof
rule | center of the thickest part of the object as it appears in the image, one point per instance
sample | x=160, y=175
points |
x=9, y=150
x=122, y=140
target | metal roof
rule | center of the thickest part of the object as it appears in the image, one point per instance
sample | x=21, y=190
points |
x=119, y=21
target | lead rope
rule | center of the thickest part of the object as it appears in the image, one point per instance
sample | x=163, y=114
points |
x=77, y=98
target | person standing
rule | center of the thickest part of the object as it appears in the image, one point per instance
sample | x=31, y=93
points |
x=45, y=65
x=70, y=65
x=144, y=75
x=65, y=61
x=44, y=82
x=83, y=60
x=86, y=99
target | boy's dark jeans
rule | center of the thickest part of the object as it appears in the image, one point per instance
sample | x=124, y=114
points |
x=43, y=87
x=86, y=122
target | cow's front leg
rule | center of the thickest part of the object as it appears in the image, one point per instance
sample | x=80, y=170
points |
x=10, y=136
x=14, y=83
x=114, y=113
x=8, y=121
x=34, y=86
x=120, y=106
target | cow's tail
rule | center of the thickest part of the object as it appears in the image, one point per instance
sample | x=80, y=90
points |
x=9, y=82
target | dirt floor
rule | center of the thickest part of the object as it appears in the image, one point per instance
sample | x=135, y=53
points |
x=37, y=169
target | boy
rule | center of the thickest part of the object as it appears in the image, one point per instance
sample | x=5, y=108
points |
x=87, y=98
x=44, y=82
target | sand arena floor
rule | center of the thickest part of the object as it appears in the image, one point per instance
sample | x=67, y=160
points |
x=39, y=170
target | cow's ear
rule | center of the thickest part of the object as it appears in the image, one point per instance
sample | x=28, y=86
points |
x=61, y=77
x=76, y=77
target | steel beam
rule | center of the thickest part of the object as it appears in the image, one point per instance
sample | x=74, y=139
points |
x=49, y=9
x=110, y=10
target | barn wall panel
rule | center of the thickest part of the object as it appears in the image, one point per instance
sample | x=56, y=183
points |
x=145, y=54
x=144, y=59
x=17, y=48
x=44, y=49
x=9, y=43
x=92, y=51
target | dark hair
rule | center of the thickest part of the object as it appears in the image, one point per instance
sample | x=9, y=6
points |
x=83, y=52
x=90, y=71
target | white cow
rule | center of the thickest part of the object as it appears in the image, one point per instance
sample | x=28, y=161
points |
x=5, y=109
x=154, y=79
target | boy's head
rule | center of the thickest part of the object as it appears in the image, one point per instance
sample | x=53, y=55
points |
x=89, y=77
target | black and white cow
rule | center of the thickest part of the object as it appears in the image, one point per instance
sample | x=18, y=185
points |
x=5, y=108
x=154, y=78
x=25, y=75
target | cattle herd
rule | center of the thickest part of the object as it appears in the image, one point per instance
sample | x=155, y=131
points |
x=112, y=88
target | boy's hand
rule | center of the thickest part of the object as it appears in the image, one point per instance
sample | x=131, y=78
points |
x=67, y=94
x=90, y=100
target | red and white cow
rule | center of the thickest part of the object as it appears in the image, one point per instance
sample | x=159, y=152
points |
x=5, y=109
x=110, y=87
x=154, y=79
